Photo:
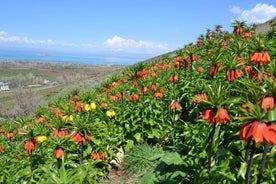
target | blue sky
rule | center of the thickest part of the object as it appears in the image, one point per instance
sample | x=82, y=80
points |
x=125, y=26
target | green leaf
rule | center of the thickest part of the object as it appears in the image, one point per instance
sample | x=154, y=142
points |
x=172, y=159
x=271, y=115
x=137, y=137
x=129, y=145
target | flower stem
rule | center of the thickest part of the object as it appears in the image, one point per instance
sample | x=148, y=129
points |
x=211, y=147
x=247, y=175
x=31, y=162
x=262, y=164
x=247, y=150
x=58, y=164
x=81, y=152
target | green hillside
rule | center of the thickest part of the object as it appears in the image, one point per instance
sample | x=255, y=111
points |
x=203, y=114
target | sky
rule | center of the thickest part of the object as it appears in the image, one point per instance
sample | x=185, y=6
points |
x=150, y=27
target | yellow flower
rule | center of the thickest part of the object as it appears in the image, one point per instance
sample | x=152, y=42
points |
x=93, y=106
x=68, y=117
x=90, y=107
x=87, y=107
x=110, y=113
x=41, y=138
x=71, y=117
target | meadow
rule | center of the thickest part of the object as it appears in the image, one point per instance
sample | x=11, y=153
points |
x=205, y=114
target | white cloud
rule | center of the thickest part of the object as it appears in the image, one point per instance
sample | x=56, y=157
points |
x=258, y=14
x=119, y=43
x=116, y=43
x=235, y=10
x=5, y=37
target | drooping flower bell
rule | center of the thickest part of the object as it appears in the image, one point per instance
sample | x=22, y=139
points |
x=214, y=116
x=260, y=57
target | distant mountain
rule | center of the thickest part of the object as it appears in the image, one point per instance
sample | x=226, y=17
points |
x=264, y=27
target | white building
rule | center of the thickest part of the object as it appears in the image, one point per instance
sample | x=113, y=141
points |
x=4, y=86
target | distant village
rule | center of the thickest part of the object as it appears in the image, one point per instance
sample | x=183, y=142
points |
x=5, y=86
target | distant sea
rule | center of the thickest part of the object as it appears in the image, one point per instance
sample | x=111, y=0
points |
x=79, y=58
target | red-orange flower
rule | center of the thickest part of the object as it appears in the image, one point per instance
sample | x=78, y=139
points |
x=113, y=98
x=1, y=148
x=153, y=87
x=158, y=95
x=29, y=147
x=104, y=105
x=174, y=78
x=213, y=70
x=260, y=57
x=98, y=156
x=197, y=98
x=10, y=135
x=60, y=133
x=77, y=137
x=233, y=74
x=214, y=116
x=175, y=105
x=247, y=35
x=95, y=156
x=133, y=97
x=199, y=69
x=59, y=153
x=179, y=59
x=144, y=89
x=267, y=103
x=259, y=131
x=41, y=119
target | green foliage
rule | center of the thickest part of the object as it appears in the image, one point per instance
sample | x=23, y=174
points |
x=164, y=130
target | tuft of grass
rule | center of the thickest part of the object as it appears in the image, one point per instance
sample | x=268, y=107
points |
x=140, y=159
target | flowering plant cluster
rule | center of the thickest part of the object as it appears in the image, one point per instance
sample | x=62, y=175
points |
x=211, y=104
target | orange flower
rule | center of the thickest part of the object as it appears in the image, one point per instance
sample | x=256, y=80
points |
x=197, y=98
x=153, y=87
x=144, y=89
x=9, y=135
x=255, y=74
x=213, y=70
x=77, y=137
x=247, y=69
x=133, y=97
x=223, y=43
x=79, y=106
x=154, y=74
x=199, y=69
x=158, y=95
x=215, y=116
x=179, y=59
x=175, y=105
x=247, y=35
x=260, y=57
x=1, y=148
x=135, y=83
x=245, y=106
x=29, y=147
x=98, y=156
x=104, y=105
x=268, y=103
x=113, y=98
x=41, y=119
x=176, y=65
x=233, y=74
x=259, y=131
x=95, y=156
x=60, y=133
x=174, y=78
x=59, y=153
